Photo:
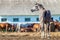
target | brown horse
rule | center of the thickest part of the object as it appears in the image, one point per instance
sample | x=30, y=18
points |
x=6, y=26
x=36, y=27
x=57, y=25
x=33, y=28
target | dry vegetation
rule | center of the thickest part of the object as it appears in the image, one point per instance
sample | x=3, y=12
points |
x=27, y=36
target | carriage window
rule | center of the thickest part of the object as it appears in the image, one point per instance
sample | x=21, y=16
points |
x=27, y=19
x=15, y=19
x=4, y=19
x=37, y=19
x=59, y=18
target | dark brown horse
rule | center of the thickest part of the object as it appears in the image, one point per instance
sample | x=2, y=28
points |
x=57, y=25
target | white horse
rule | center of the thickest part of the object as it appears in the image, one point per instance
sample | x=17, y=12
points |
x=44, y=26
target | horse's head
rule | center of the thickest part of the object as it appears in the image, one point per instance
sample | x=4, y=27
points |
x=37, y=7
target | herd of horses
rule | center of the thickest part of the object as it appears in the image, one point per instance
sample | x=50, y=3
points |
x=7, y=27
x=31, y=28
x=55, y=26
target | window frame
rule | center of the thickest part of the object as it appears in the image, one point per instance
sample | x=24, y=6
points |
x=15, y=19
x=27, y=19
x=59, y=18
x=37, y=19
x=3, y=19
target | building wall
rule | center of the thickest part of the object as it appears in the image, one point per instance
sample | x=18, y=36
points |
x=23, y=19
x=23, y=7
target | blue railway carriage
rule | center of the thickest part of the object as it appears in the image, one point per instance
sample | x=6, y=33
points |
x=24, y=19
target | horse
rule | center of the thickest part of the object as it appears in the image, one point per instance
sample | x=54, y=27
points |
x=34, y=27
x=44, y=25
x=57, y=26
x=6, y=26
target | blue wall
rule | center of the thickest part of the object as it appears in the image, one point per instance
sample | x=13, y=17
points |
x=22, y=18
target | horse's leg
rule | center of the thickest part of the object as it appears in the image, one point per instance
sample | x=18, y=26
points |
x=42, y=30
x=48, y=29
x=45, y=30
x=0, y=28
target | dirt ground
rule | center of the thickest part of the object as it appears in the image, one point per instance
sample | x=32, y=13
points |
x=27, y=36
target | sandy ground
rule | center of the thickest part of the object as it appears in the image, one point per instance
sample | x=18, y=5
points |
x=27, y=36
